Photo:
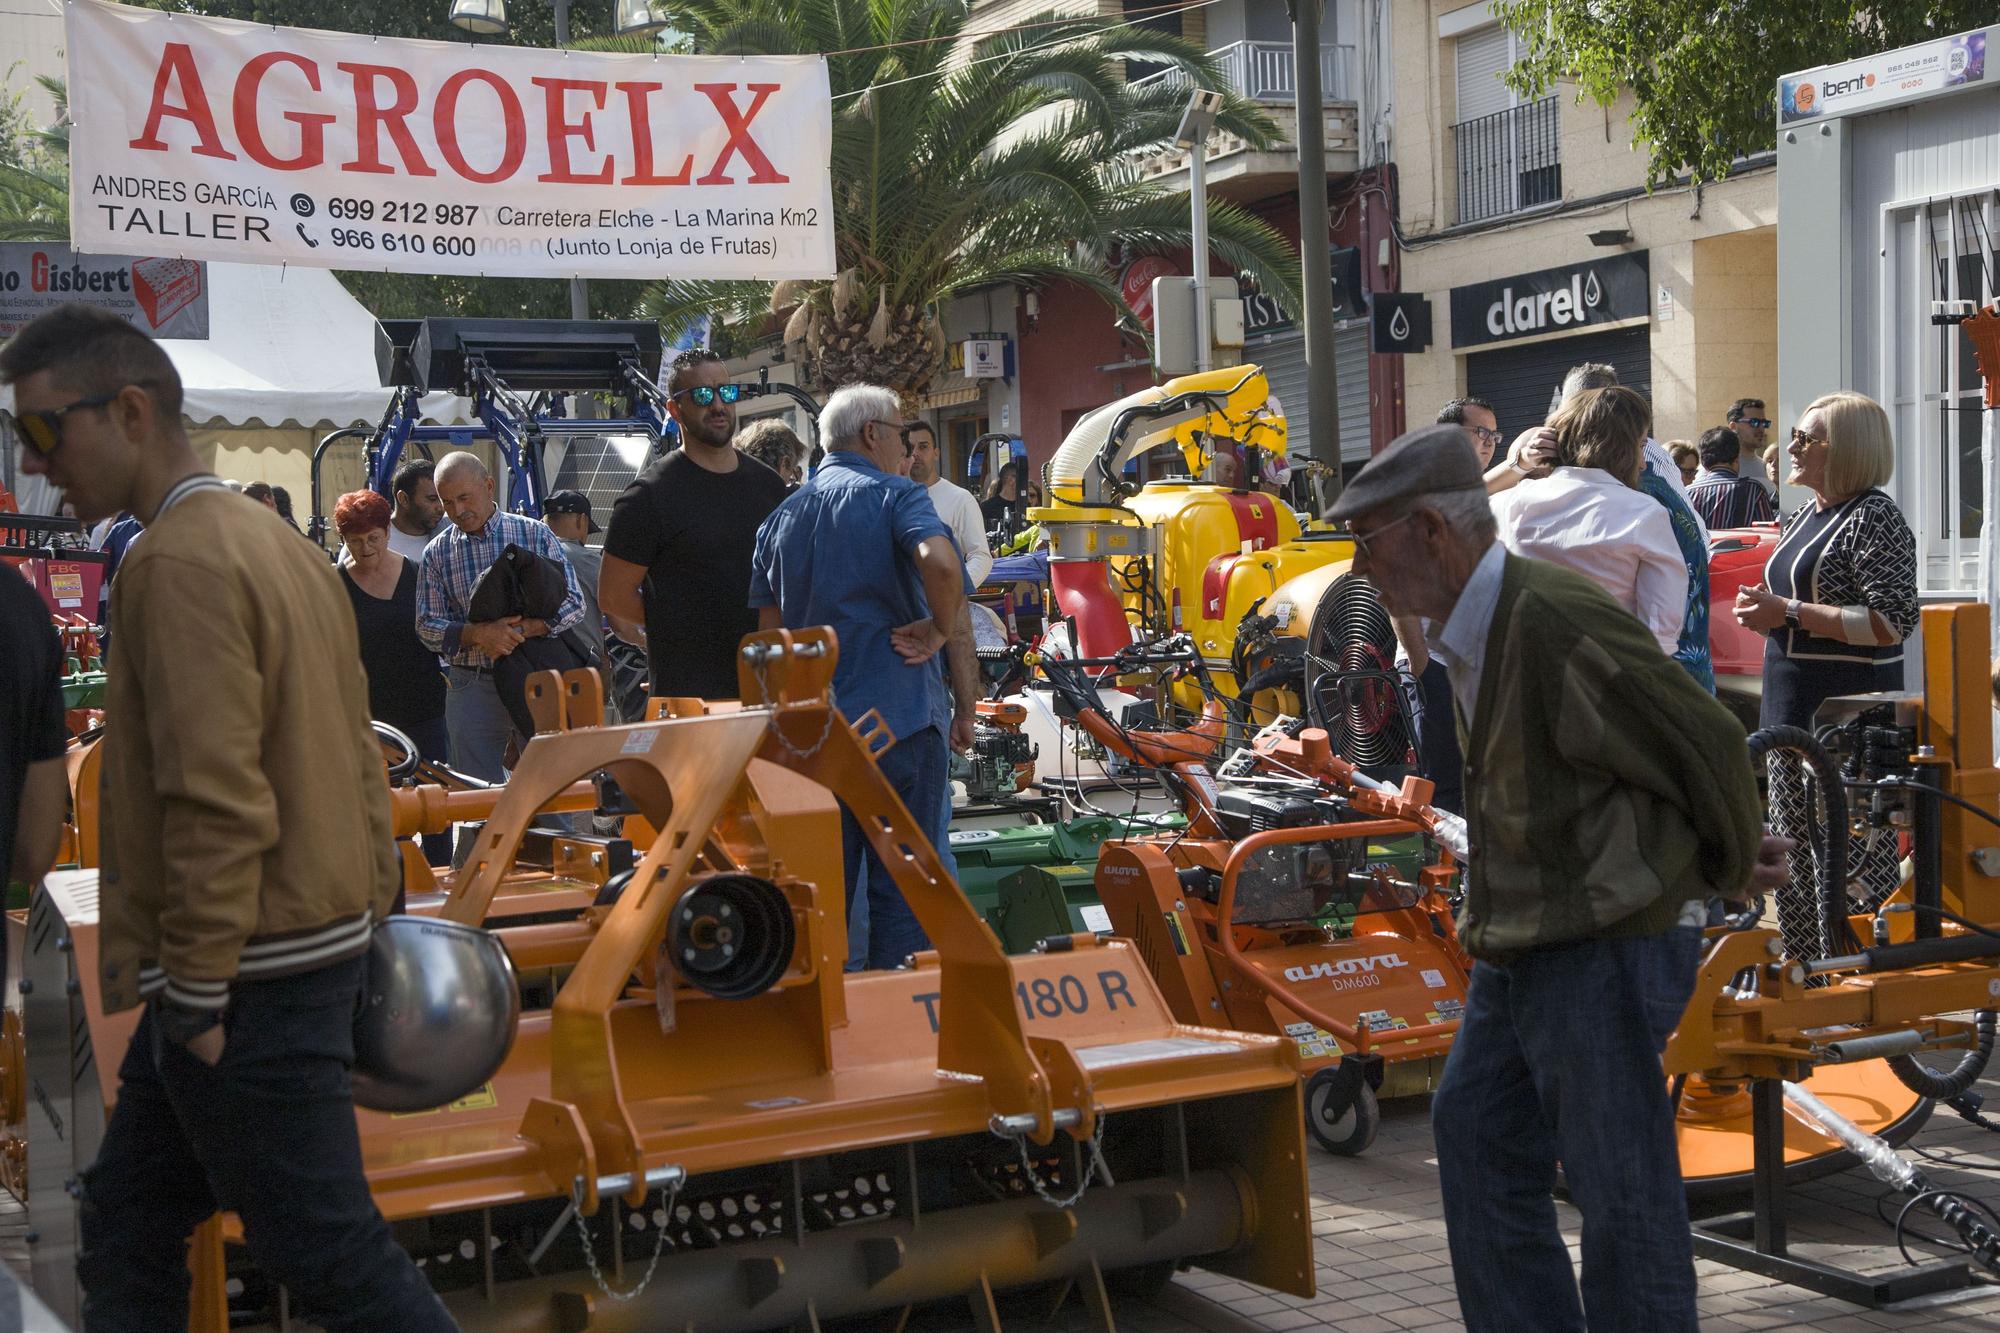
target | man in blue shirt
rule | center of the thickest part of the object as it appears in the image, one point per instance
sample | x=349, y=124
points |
x=862, y=549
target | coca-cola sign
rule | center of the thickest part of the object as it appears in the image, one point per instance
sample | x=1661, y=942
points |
x=1554, y=300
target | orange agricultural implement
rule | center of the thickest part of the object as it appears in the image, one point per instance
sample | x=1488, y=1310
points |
x=715, y=1121
x=1266, y=915
x=1798, y=1052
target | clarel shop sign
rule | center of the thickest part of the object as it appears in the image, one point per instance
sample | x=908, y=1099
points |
x=200, y=138
x=1555, y=300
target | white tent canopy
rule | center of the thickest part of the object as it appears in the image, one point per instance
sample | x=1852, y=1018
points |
x=286, y=346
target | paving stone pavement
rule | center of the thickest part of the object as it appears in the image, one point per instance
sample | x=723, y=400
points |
x=1382, y=1265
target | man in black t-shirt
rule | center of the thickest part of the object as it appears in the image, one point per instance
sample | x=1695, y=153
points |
x=683, y=531
x=32, y=736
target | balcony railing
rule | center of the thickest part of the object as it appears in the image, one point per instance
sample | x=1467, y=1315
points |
x=1262, y=72
x=1508, y=161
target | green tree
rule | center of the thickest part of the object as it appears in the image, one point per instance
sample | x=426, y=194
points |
x=962, y=160
x=531, y=22
x=1704, y=75
x=34, y=168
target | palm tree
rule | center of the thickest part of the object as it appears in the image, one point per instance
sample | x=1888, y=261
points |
x=34, y=194
x=962, y=160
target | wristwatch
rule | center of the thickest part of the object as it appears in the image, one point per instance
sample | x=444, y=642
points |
x=1792, y=613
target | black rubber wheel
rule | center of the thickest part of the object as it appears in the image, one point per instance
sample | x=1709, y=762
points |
x=1343, y=1130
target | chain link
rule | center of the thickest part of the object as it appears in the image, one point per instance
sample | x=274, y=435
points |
x=757, y=670
x=659, y=1247
x=1091, y=1167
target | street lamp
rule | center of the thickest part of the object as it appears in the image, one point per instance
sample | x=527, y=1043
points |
x=1197, y=123
x=629, y=18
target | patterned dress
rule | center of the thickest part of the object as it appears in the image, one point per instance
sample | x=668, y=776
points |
x=1859, y=552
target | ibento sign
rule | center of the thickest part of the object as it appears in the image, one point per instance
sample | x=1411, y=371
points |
x=213, y=138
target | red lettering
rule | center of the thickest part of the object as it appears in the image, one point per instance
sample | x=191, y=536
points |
x=444, y=117
x=371, y=117
x=312, y=124
x=177, y=64
x=642, y=139
x=738, y=125
x=562, y=129
x=38, y=272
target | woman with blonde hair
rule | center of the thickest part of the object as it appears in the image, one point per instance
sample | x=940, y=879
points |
x=1589, y=515
x=1839, y=598
x=1840, y=592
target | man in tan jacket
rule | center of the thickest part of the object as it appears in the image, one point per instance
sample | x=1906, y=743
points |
x=246, y=853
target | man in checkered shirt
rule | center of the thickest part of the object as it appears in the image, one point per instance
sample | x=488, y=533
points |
x=477, y=722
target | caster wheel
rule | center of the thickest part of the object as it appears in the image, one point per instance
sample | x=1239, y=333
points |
x=1343, y=1126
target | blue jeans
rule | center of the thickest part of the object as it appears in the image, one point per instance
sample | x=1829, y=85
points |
x=268, y=1131
x=917, y=767
x=857, y=902
x=478, y=723
x=1559, y=1060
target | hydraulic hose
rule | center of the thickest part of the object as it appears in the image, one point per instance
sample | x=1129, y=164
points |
x=1829, y=841
x=1945, y=1087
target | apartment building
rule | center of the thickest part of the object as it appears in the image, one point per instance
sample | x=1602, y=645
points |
x=1526, y=225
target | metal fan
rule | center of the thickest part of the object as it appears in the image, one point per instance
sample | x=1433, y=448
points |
x=1353, y=688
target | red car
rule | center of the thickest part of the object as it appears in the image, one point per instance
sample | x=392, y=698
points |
x=1736, y=557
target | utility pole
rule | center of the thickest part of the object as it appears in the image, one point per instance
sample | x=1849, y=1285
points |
x=579, y=290
x=1204, y=313
x=1322, y=383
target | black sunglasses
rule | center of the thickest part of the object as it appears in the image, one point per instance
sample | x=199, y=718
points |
x=704, y=395
x=1759, y=422
x=43, y=430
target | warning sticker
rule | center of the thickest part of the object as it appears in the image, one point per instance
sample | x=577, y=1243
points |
x=1315, y=1043
x=1433, y=978
x=1095, y=918
x=1446, y=1010
x=481, y=1098
x=639, y=742
x=1378, y=1020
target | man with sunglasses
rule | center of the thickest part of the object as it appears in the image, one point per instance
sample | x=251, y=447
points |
x=676, y=573
x=246, y=849
x=1748, y=420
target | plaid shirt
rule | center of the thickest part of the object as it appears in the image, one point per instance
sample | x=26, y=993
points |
x=453, y=563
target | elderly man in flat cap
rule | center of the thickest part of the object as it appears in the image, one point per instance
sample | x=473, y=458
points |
x=1609, y=798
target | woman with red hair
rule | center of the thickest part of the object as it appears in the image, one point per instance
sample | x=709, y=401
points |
x=405, y=686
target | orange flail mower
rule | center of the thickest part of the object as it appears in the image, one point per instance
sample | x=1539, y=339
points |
x=710, y=1117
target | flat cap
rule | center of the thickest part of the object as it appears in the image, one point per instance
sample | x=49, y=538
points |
x=1418, y=462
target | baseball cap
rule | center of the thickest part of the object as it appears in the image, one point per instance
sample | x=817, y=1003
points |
x=570, y=502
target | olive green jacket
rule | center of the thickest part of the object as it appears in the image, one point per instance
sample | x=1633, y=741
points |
x=1605, y=790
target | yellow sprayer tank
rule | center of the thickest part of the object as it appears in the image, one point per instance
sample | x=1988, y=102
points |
x=1219, y=550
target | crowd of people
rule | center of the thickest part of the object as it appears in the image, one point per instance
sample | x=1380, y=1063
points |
x=1551, y=597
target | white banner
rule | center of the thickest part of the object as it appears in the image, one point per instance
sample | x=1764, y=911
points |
x=205, y=138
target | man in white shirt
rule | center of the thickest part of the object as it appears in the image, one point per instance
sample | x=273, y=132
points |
x=955, y=505
x=418, y=514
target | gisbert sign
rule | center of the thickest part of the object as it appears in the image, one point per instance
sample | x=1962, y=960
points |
x=205, y=138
